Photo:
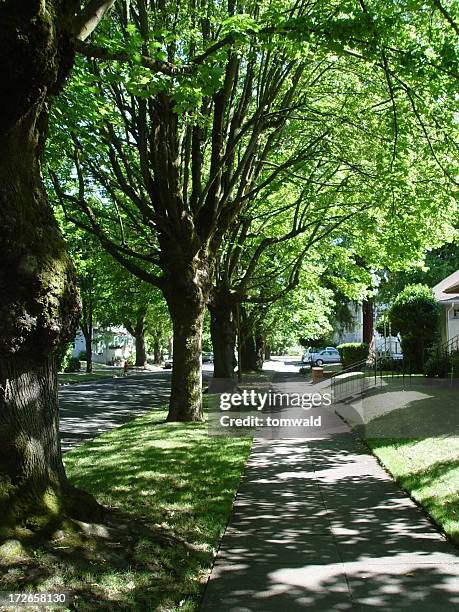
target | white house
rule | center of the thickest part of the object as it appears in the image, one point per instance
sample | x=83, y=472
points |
x=447, y=295
x=352, y=331
x=109, y=346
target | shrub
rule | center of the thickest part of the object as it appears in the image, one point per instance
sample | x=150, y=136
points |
x=83, y=356
x=390, y=365
x=352, y=352
x=437, y=366
x=74, y=365
x=415, y=316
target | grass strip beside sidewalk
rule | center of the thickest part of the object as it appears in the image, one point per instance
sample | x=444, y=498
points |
x=428, y=469
x=172, y=487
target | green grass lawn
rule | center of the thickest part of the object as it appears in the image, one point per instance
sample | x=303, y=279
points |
x=413, y=429
x=170, y=487
x=429, y=470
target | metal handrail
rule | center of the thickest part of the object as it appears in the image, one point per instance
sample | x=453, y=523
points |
x=372, y=371
x=350, y=368
x=449, y=345
x=442, y=352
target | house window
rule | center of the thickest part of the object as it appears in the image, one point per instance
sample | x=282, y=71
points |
x=455, y=313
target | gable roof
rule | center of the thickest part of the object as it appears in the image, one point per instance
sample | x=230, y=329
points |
x=447, y=290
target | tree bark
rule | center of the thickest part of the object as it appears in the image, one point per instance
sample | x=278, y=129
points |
x=223, y=334
x=138, y=332
x=368, y=320
x=260, y=347
x=187, y=292
x=267, y=352
x=39, y=307
x=186, y=385
x=157, y=352
x=249, y=354
x=87, y=327
x=32, y=473
x=88, y=344
x=140, y=350
x=252, y=345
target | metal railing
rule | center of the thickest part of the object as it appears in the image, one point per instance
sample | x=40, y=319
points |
x=439, y=357
x=357, y=379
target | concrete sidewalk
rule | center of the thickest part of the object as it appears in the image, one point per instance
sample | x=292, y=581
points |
x=318, y=524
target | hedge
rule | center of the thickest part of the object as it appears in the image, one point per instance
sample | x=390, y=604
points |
x=352, y=352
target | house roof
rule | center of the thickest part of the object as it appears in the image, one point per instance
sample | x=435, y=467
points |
x=447, y=290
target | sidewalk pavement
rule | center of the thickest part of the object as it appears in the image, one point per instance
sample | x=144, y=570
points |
x=317, y=524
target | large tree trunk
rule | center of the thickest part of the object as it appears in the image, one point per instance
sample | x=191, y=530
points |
x=187, y=295
x=138, y=332
x=267, y=352
x=157, y=351
x=368, y=320
x=223, y=334
x=252, y=353
x=252, y=345
x=140, y=351
x=249, y=355
x=186, y=385
x=32, y=473
x=38, y=296
x=88, y=344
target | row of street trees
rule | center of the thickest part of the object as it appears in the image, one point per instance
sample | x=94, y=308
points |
x=215, y=145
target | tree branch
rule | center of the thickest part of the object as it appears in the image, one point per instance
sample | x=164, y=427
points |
x=96, y=52
x=446, y=15
x=87, y=20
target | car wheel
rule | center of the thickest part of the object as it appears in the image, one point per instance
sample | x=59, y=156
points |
x=319, y=362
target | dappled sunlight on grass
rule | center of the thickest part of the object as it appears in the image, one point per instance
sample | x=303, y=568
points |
x=170, y=489
x=186, y=473
x=429, y=470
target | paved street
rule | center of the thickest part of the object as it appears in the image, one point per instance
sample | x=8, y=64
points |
x=88, y=409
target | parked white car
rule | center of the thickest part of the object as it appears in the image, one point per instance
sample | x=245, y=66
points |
x=310, y=356
x=327, y=355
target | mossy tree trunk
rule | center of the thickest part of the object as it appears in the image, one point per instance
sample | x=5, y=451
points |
x=187, y=295
x=39, y=307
